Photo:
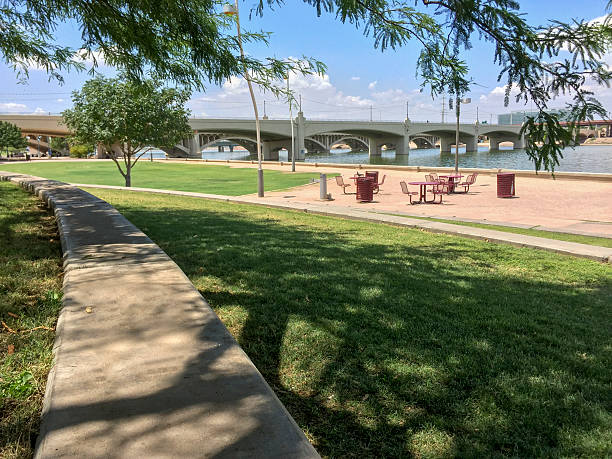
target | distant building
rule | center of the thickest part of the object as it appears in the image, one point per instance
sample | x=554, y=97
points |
x=518, y=117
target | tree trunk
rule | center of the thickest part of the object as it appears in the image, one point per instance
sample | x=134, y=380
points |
x=128, y=176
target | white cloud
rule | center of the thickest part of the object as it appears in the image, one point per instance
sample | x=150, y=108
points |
x=40, y=111
x=234, y=86
x=373, y=84
x=355, y=78
x=90, y=57
x=12, y=107
x=59, y=100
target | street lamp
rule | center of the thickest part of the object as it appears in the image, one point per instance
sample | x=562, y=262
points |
x=232, y=10
x=291, y=120
x=458, y=102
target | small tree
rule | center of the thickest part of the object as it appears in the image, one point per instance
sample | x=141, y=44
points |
x=10, y=137
x=59, y=144
x=126, y=117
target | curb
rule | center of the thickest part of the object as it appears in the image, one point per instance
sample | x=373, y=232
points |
x=142, y=365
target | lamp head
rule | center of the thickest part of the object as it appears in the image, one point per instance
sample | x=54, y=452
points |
x=229, y=9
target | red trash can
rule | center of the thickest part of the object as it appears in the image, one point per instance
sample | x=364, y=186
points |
x=505, y=185
x=365, y=189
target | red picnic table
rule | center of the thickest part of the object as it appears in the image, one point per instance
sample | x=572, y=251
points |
x=453, y=179
x=423, y=190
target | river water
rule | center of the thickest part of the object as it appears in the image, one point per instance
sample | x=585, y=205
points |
x=594, y=158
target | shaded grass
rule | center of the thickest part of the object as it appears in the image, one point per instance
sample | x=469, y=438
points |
x=391, y=342
x=590, y=240
x=200, y=178
x=30, y=296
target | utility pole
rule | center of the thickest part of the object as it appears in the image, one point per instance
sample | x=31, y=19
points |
x=265, y=117
x=407, y=117
x=370, y=113
x=443, y=106
x=300, y=102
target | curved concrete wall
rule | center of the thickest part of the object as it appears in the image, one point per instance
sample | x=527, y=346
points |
x=143, y=366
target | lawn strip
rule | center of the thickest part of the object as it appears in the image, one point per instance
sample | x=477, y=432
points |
x=590, y=240
x=386, y=341
x=200, y=178
x=30, y=299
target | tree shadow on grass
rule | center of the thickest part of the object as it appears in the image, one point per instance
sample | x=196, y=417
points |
x=421, y=344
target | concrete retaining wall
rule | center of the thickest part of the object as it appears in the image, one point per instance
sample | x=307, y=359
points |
x=143, y=366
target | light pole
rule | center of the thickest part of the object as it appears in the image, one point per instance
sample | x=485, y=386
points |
x=457, y=112
x=231, y=10
x=291, y=119
x=38, y=146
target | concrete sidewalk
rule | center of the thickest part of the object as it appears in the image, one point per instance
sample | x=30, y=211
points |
x=143, y=366
x=603, y=254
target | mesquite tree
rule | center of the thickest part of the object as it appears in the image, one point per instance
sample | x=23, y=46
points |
x=537, y=63
x=188, y=42
x=125, y=118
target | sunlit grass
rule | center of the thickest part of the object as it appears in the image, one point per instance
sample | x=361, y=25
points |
x=391, y=342
x=200, y=178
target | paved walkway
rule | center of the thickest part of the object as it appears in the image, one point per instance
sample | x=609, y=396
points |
x=568, y=248
x=143, y=366
x=581, y=206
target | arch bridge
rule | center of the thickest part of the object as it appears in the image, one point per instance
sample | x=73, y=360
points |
x=309, y=135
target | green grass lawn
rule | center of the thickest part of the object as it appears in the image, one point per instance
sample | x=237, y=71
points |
x=590, y=240
x=391, y=342
x=30, y=297
x=201, y=178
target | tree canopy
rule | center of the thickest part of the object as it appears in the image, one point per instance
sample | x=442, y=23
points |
x=126, y=117
x=536, y=63
x=10, y=136
x=189, y=43
x=59, y=144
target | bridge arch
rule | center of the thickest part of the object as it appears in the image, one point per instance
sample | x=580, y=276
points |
x=351, y=141
x=312, y=144
x=422, y=141
x=247, y=142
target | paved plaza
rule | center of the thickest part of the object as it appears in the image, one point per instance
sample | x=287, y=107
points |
x=574, y=205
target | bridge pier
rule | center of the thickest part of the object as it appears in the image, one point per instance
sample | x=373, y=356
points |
x=373, y=147
x=402, y=146
x=445, y=143
x=270, y=149
x=195, y=149
x=101, y=152
x=471, y=143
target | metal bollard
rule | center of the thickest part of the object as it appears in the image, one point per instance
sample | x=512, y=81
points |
x=323, y=187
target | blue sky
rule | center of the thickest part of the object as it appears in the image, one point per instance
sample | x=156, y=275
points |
x=358, y=76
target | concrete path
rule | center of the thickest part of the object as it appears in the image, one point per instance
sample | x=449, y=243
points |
x=603, y=254
x=143, y=366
